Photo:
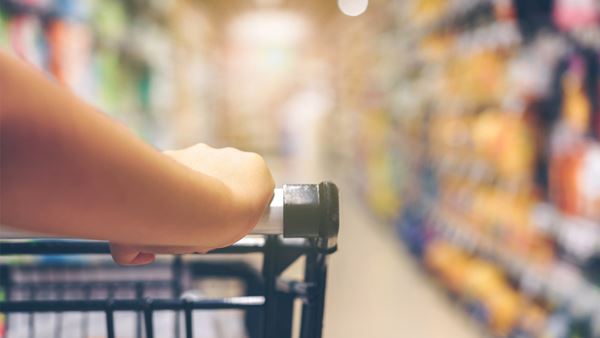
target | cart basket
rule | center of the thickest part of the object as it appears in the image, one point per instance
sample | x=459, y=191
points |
x=302, y=221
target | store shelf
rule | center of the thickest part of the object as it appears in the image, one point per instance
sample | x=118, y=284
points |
x=15, y=7
x=588, y=36
x=561, y=283
x=488, y=37
x=579, y=237
x=457, y=13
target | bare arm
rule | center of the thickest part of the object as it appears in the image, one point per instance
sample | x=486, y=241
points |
x=67, y=169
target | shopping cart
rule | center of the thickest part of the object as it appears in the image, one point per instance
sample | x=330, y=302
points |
x=302, y=221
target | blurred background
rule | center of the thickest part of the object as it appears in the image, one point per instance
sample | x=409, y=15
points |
x=464, y=135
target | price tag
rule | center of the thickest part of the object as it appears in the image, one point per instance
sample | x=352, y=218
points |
x=584, y=303
x=531, y=283
x=564, y=281
x=545, y=218
x=579, y=237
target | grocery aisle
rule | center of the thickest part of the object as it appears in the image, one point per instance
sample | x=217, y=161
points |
x=376, y=289
x=475, y=124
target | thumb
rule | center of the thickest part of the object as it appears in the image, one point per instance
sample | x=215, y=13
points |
x=128, y=255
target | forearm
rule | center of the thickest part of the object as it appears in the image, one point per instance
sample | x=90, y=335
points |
x=69, y=170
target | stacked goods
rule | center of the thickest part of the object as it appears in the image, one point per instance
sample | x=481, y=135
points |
x=493, y=115
x=137, y=61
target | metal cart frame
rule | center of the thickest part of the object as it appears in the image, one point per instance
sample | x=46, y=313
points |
x=310, y=227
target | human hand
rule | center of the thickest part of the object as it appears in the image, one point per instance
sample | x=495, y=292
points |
x=245, y=174
x=247, y=177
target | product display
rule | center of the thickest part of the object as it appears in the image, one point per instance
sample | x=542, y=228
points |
x=494, y=116
x=133, y=60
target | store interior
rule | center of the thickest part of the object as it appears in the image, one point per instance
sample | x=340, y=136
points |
x=464, y=136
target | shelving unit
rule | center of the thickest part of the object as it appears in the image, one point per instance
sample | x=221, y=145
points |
x=580, y=297
x=128, y=58
x=468, y=154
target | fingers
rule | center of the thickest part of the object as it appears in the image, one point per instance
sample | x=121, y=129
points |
x=128, y=255
x=172, y=249
x=124, y=254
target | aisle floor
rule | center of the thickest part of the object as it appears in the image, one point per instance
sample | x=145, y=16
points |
x=376, y=290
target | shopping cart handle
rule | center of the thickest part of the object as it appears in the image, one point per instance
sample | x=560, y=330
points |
x=296, y=211
x=302, y=211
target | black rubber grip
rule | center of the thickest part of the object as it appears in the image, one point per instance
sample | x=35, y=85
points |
x=310, y=210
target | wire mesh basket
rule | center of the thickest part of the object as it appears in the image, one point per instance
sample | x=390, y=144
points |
x=71, y=288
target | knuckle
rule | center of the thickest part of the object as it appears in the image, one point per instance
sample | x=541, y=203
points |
x=199, y=147
x=230, y=151
x=255, y=157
